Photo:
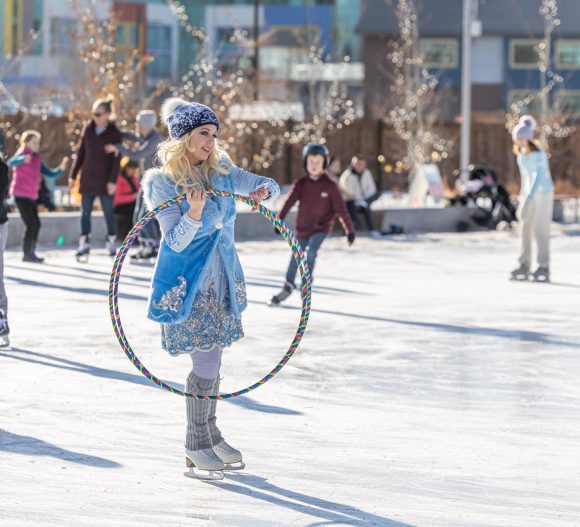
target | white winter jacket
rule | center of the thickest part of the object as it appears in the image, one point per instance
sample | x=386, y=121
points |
x=354, y=187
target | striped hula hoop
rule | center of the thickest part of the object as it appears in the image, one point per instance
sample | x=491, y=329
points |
x=306, y=286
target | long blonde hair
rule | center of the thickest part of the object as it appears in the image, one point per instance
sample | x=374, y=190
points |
x=172, y=153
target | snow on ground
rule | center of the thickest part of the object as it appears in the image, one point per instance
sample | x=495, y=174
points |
x=428, y=391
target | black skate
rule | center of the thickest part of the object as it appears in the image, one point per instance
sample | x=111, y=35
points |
x=4, y=330
x=82, y=254
x=521, y=274
x=282, y=295
x=541, y=274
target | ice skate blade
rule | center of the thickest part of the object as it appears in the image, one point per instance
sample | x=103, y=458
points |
x=206, y=475
x=519, y=278
x=239, y=465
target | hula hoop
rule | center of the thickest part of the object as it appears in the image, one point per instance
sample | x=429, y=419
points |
x=297, y=253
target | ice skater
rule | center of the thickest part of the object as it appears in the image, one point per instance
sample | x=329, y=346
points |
x=99, y=171
x=319, y=203
x=148, y=139
x=28, y=167
x=536, y=201
x=198, y=290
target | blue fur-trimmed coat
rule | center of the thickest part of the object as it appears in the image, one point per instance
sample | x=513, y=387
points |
x=182, y=257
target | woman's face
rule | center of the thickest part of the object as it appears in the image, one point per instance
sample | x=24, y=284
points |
x=522, y=143
x=202, y=141
x=100, y=116
x=33, y=144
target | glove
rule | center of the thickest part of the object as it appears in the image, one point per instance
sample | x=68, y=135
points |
x=361, y=203
x=350, y=238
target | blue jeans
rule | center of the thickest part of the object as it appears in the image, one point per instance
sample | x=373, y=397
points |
x=311, y=244
x=87, y=209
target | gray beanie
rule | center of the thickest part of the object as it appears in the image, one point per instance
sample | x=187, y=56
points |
x=147, y=118
x=524, y=129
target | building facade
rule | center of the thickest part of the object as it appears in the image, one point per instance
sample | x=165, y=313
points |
x=504, y=58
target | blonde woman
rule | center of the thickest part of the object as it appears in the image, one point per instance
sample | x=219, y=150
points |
x=536, y=201
x=198, y=290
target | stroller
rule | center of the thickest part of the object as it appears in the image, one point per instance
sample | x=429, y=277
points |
x=489, y=196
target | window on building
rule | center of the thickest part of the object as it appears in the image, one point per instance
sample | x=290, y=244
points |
x=439, y=53
x=159, y=46
x=519, y=97
x=567, y=101
x=62, y=31
x=524, y=53
x=568, y=54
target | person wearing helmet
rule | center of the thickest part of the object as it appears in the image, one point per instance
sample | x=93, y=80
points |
x=319, y=202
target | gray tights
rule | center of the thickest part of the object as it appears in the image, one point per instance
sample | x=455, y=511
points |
x=202, y=431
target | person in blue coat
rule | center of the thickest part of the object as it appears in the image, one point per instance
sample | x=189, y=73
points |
x=198, y=290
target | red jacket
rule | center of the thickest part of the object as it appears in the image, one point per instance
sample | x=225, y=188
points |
x=320, y=202
x=126, y=191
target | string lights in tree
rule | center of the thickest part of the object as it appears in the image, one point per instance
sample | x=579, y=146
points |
x=108, y=70
x=552, y=119
x=414, y=87
x=226, y=89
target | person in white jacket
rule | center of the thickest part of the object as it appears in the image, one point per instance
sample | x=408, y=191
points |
x=359, y=190
x=536, y=201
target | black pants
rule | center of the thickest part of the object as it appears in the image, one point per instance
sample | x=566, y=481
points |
x=354, y=211
x=29, y=214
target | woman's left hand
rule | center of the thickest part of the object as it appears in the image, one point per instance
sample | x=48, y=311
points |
x=258, y=196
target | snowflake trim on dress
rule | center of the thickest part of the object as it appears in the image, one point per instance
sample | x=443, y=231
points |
x=241, y=291
x=172, y=300
x=175, y=233
x=210, y=323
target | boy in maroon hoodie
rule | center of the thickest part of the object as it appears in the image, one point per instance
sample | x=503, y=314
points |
x=319, y=203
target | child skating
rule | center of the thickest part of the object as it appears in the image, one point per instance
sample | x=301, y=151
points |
x=320, y=202
x=28, y=167
x=536, y=201
x=198, y=290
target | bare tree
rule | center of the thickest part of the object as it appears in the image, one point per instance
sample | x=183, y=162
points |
x=414, y=115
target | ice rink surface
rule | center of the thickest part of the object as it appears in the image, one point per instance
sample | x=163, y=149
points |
x=428, y=391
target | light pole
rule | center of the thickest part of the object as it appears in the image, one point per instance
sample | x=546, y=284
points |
x=465, y=149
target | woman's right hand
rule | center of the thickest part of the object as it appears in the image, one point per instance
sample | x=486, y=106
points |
x=196, y=201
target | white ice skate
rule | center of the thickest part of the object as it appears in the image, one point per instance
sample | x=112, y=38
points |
x=82, y=254
x=203, y=464
x=112, y=245
x=231, y=457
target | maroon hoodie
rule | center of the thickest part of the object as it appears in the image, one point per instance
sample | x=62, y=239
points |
x=320, y=202
x=97, y=167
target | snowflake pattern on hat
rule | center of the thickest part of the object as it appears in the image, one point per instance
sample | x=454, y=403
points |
x=189, y=116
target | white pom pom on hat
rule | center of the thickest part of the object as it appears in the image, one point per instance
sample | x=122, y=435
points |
x=528, y=120
x=169, y=106
x=524, y=129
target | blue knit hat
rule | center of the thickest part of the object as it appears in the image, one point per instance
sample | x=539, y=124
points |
x=181, y=117
x=524, y=129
